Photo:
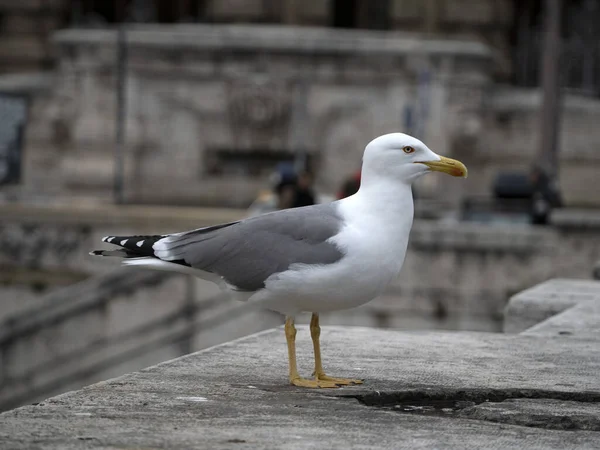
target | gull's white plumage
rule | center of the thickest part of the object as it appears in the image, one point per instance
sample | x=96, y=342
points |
x=374, y=238
x=321, y=258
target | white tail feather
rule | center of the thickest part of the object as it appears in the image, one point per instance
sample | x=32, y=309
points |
x=157, y=264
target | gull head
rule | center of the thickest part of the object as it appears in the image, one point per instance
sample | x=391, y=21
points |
x=405, y=158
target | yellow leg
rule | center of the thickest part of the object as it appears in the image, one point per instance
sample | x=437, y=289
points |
x=315, y=333
x=295, y=379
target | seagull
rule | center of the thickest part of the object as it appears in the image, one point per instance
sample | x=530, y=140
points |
x=318, y=258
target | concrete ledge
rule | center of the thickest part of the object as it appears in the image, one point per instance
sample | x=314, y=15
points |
x=572, y=218
x=422, y=390
x=533, y=306
x=276, y=38
x=29, y=83
x=580, y=320
x=536, y=389
x=428, y=234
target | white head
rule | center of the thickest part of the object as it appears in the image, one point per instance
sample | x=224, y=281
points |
x=404, y=158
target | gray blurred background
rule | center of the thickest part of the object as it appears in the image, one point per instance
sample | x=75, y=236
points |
x=152, y=116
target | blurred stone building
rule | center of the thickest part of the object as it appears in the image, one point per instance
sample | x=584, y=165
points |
x=218, y=92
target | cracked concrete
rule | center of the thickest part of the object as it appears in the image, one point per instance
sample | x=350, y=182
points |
x=530, y=390
x=541, y=413
x=527, y=407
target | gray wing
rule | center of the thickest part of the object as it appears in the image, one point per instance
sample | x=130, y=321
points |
x=246, y=253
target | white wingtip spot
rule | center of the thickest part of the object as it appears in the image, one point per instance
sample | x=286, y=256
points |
x=124, y=241
x=140, y=243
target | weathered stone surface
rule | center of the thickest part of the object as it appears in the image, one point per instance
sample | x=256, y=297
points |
x=580, y=320
x=532, y=307
x=237, y=395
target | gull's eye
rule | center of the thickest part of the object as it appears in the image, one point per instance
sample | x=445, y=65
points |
x=408, y=149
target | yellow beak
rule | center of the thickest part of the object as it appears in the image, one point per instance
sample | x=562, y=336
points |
x=447, y=165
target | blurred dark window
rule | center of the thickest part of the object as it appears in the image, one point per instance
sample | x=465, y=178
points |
x=580, y=55
x=171, y=11
x=161, y=11
x=344, y=13
x=370, y=14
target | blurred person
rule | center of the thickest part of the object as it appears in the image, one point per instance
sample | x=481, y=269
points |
x=294, y=191
x=285, y=190
x=350, y=186
x=545, y=196
x=303, y=194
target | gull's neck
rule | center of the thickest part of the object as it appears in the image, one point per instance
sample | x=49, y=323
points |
x=378, y=221
x=386, y=201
